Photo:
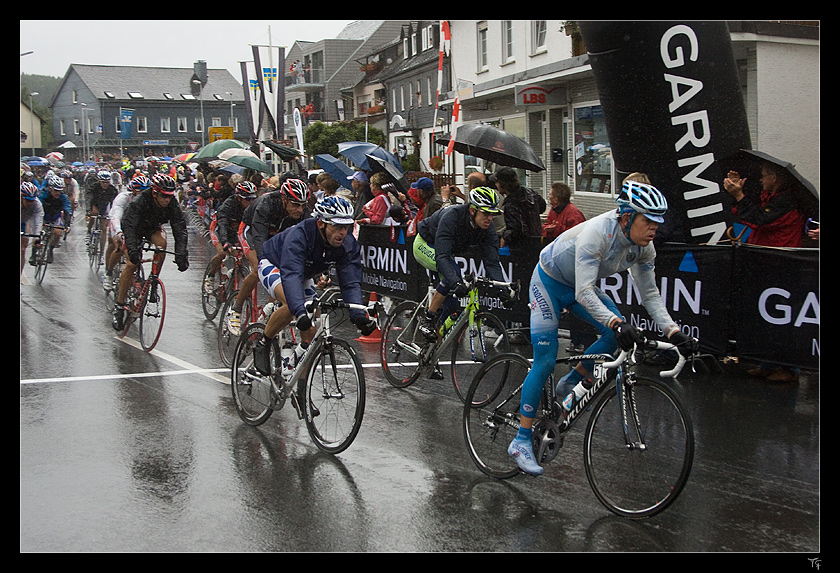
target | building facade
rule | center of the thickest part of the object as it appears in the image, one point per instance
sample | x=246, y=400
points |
x=172, y=110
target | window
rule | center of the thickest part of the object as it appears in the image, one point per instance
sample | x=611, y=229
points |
x=135, y=95
x=110, y=95
x=75, y=96
x=538, y=30
x=117, y=125
x=406, y=49
x=164, y=125
x=428, y=37
x=61, y=127
x=142, y=127
x=507, y=41
x=76, y=127
x=414, y=43
x=592, y=152
x=215, y=122
x=188, y=97
x=198, y=125
x=168, y=95
x=481, y=48
x=182, y=125
x=430, y=93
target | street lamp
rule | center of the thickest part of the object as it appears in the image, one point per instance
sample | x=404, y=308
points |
x=232, y=105
x=201, y=102
x=32, y=120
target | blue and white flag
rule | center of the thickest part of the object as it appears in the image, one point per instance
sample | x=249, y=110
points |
x=126, y=115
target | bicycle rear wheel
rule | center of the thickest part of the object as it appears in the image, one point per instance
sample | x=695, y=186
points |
x=334, y=396
x=152, y=313
x=132, y=300
x=402, y=344
x=638, y=448
x=491, y=413
x=475, y=345
x=252, y=392
x=95, y=250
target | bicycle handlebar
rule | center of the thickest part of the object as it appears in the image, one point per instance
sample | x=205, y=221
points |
x=653, y=345
x=514, y=287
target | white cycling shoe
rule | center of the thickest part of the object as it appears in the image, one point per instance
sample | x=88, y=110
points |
x=523, y=452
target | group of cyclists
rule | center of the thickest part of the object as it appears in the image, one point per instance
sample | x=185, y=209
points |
x=288, y=248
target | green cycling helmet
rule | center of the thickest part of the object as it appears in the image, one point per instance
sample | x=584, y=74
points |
x=485, y=199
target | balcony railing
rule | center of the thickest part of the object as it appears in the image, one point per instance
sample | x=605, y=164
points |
x=305, y=77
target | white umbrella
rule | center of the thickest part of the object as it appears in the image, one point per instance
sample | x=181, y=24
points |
x=236, y=152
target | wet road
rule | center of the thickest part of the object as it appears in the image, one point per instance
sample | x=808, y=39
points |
x=121, y=450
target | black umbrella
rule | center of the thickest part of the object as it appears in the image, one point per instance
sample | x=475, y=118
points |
x=493, y=144
x=395, y=174
x=747, y=162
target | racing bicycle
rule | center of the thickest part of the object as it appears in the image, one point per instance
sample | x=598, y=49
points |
x=41, y=249
x=326, y=386
x=467, y=342
x=638, y=443
x=95, y=245
x=146, y=300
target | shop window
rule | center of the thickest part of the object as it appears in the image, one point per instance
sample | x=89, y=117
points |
x=592, y=152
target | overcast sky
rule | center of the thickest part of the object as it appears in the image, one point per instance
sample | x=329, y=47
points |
x=168, y=42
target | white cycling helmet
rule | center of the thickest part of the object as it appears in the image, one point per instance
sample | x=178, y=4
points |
x=334, y=209
x=642, y=198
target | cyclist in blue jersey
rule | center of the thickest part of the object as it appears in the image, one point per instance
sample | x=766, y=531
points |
x=450, y=232
x=566, y=278
x=58, y=210
x=291, y=259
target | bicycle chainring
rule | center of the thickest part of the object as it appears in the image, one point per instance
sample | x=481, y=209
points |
x=547, y=440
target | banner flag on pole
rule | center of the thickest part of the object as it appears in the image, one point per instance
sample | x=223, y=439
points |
x=126, y=116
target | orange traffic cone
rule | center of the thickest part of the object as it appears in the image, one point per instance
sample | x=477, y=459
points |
x=376, y=335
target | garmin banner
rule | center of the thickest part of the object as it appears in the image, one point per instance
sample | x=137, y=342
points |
x=672, y=107
x=752, y=302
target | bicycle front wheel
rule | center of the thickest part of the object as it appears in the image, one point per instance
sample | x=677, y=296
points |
x=152, y=313
x=227, y=340
x=252, y=393
x=41, y=263
x=638, y=448
x=402, y=344
x=334, y=396
x=475, y=345
x=491, y=413
x=211, y=300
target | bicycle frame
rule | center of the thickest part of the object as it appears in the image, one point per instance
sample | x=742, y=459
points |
x=603, y=372
x=430, y=353
x=286, y=386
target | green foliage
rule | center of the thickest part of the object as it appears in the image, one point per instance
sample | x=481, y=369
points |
x=322, y=138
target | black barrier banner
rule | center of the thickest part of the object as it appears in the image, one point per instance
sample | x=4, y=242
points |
x=777, y=316
x=752, y=302
x=695, y=284
x=672, y=106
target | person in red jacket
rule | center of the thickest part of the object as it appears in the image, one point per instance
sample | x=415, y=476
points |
x=562, y=215
x=773, y=216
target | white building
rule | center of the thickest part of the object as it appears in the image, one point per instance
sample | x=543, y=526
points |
x=529, y=78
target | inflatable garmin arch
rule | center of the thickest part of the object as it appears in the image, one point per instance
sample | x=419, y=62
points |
x=672, y=107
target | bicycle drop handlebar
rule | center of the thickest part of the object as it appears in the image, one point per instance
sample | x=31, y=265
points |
x=652, y=345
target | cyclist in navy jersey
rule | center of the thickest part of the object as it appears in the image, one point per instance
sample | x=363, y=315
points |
x=292, y=258
x=450, y=232
x=566, y=278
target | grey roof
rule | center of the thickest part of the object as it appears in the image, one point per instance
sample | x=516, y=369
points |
x=153, y=82
x=359, y=30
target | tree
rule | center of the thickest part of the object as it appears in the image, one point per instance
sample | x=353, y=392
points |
x=322, y=138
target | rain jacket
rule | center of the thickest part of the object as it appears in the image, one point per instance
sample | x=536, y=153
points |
x=774, y=219
x=144, y=216
x=300, y=253
x=451, y=233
